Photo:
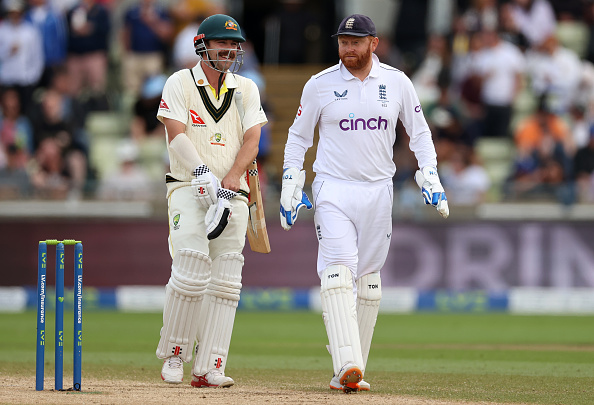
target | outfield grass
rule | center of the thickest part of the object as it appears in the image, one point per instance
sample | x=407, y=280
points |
x=492, y=357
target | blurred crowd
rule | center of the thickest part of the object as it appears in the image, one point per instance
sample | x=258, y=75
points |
x=514, y=73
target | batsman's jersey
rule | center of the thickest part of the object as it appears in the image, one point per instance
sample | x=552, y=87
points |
x=357, y=123
x=215, y=126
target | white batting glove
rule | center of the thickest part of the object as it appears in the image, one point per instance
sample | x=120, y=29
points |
x=218, y=214
x=293, y=198
x=433, y=192
x=205, y=186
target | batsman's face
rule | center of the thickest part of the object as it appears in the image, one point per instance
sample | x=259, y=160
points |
x=355, y=52
x=223, y=52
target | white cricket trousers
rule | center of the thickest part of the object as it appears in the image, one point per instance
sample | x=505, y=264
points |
x=353, y=223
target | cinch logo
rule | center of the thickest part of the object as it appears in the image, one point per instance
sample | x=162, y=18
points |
x=353, y=124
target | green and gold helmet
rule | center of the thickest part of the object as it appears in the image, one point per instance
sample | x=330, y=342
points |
x=219, y=26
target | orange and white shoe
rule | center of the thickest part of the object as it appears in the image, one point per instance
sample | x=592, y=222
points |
x=335, y=385
x=349, y=377
x=212, y=379
x=173, y=370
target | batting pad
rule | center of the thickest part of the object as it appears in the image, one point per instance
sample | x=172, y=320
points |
x=218, y=313
x=369, y=294
x=185, y=290
x=340, y=317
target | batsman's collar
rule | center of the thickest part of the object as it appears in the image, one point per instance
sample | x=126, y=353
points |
x=358, y=25
x=201, y=79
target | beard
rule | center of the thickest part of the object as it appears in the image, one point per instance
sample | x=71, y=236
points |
x=357, y=63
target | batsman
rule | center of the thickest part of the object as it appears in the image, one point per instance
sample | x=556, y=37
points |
x=356, y=105
x=212, y=118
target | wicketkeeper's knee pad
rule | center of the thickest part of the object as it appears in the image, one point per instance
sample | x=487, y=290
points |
x=218, y=313
x=369, y=295
x=190, y=273
x=340, y=317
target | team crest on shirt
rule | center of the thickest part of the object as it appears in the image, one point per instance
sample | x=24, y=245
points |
x=382, y=95
x=340, y=96
x=196, y=120
x=218, y=139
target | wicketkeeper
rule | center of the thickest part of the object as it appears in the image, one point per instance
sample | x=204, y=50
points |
x=356, y=104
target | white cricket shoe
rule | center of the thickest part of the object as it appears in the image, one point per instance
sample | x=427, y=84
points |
x=335, y=384
x=349, y=377
x=173, y=370
x=213, y=379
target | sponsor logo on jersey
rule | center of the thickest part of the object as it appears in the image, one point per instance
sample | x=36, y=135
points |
x=163, y=105
x=418, y=108
x=218, y=139
x=299, y=110
x=196, y=120
x=362, y=124
x=341, y=96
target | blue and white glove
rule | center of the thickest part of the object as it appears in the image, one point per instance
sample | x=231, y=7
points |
x=293, y=198
x=428, y=181
x=205, y=186
x=218, y=214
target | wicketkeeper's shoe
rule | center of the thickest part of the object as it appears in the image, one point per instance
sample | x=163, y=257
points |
x=349, y=377
x=173, y=370
x=335, y=384
x=212, y=379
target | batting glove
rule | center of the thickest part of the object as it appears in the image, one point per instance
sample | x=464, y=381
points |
x=218, y=214
x=293, y=198
x=205, y=186
x=433, y=192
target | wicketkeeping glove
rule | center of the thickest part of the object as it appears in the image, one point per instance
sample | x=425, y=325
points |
x=433, y=192
x=217, y=216
x=205, y=186
x=293, y=198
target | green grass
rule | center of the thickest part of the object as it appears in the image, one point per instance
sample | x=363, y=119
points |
x=494, y=357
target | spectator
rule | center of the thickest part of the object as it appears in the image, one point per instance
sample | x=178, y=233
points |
x=583, y=166
x=21, y=53
x=15, y=129
x=52, y=28
x=146, y=35
x=500, y=66
x=187, y=12
x=129, y=182
x=145, y=122
x=465, y=178
x=535, y=19
x=555, y=70
x=14, y=179
x=88, y=28
x=544, y=155
x=426, y=77
x=62, y=163
x=184, y=56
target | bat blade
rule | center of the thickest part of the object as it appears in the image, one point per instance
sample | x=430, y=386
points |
x=256, y=229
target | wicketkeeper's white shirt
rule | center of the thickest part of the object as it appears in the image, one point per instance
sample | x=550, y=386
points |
x=357, y=123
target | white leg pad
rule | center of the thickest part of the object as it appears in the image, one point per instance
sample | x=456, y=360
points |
x=218, y=313
x=190, y=273
x=340, y=317
x=369, y=295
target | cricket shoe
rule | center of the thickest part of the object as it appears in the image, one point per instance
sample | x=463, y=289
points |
x=173, y=370
x=349, y=377
x=212, y=379
x=335, y=384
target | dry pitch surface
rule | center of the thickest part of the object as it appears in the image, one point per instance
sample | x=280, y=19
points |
x=22, y=391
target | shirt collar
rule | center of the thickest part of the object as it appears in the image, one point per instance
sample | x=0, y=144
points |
x=374, y=72
x=201, y=80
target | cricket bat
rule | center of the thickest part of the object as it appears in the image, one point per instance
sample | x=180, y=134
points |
x=256, y=229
